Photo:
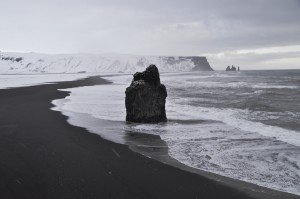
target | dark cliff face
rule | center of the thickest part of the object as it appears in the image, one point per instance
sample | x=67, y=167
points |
x=201, y=64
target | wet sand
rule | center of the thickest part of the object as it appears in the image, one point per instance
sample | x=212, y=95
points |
x=42, y=156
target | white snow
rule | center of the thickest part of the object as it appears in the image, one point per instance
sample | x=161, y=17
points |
x=89, y=63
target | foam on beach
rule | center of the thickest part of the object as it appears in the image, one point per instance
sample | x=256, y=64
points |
x=218, y=140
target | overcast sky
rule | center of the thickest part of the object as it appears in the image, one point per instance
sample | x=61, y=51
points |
x=257, y=34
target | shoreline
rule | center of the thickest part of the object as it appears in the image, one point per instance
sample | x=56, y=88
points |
x=43, y=156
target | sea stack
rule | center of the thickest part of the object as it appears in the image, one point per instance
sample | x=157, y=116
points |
x=146, y=97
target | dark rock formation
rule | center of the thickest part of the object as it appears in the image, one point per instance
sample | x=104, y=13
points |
x=201, y=63
x=13, y=59
x=233, y=68
x=146, y=97
x=18, y=59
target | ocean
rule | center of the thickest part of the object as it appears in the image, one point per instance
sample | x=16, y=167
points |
x=244, y=125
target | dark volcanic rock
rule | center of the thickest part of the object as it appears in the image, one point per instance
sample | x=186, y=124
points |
x=146, y=97
x=201, y=63
x=233, y=68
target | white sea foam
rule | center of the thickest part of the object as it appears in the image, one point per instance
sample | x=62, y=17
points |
x=264, y=85
x=232, y=118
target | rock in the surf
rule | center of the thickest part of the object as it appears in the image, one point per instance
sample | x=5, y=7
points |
x=146, y=97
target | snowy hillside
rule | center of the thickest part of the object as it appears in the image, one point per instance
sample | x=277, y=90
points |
x=93, y=63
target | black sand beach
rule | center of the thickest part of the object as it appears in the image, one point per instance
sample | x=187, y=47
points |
x=42, y=156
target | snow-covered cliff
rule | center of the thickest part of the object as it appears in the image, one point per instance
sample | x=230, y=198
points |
x=95, y=63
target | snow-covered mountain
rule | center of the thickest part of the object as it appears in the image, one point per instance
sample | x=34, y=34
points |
x=95, y=63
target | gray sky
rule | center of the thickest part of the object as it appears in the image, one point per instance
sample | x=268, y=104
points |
x=259, y=34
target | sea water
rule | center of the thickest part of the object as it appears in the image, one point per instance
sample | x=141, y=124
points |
x=244, y=125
